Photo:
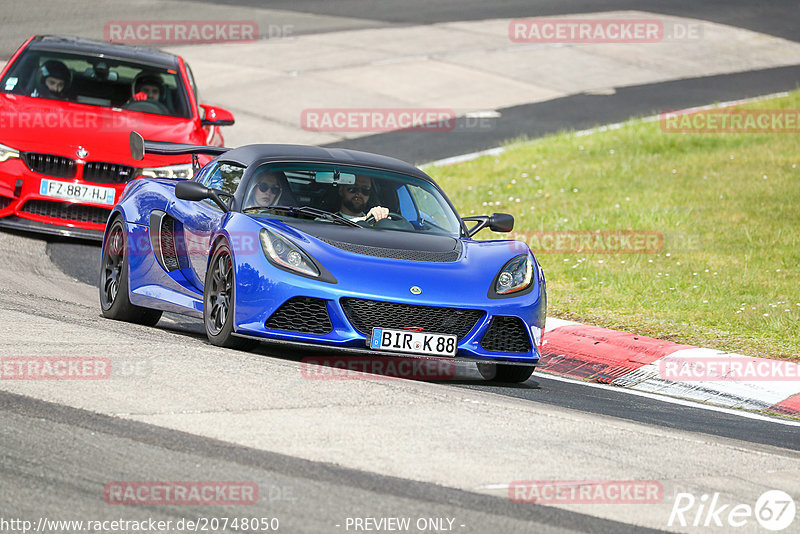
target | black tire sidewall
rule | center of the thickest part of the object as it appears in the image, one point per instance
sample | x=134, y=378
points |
x=122, y=309
x=121, y=305
x=225, y=337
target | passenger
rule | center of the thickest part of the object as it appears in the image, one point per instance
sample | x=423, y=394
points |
x=268, y=188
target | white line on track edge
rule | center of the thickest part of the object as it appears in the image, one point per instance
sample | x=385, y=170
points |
x=671, y=400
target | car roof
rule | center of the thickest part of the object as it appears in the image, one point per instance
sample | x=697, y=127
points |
x=265, y=153
x=89, y=47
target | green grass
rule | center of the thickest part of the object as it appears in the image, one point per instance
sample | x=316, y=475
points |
x=727, y=205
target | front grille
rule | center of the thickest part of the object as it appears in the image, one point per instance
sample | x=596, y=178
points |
x=368, y=314
x=302, y=314
x=65, y=210
x=107, y=173
x=4, y=202
x=50, y=164
x=506, y=334
x=398, y=254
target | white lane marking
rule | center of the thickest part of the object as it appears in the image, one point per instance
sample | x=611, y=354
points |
x=553, y=322
x=670, y=400
x=746, y=393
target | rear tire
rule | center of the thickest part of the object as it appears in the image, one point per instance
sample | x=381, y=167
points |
x=114, y=300
x=502, y=372
x=219, y=294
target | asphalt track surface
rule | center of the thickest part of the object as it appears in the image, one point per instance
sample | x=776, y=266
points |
x=82, y=448
x=773, y=18
x=534, y=120
x=287, y=484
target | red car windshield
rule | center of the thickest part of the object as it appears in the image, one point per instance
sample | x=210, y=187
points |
x=97, y=81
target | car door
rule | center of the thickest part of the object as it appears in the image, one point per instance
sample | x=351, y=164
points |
x=200, y=220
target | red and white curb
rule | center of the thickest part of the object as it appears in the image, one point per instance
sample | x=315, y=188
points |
x=641, y=363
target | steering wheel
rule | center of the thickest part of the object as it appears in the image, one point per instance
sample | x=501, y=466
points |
x=394, y=221
x=147, y=106
x=392, y=217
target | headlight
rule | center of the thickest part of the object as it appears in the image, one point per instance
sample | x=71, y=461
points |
x=6, y=152
x=286, y=255
x=515, y=275
x=176, y=172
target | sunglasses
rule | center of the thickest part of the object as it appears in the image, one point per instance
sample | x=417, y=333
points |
x=364, y=190
x=264, y=187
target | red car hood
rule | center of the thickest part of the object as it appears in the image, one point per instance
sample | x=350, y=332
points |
x=54, y=127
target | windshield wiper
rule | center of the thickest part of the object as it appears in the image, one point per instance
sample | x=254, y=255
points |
x=292, y=211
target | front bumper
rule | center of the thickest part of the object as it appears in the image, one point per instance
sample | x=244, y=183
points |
x=14, y=222
x=320, y=350
x=23, y=207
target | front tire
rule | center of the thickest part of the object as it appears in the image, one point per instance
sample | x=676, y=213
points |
x=114, y=300
x=503, y=372
x=218, y=301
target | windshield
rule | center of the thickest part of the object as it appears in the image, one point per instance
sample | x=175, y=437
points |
x=415, y=205
x=97, y=81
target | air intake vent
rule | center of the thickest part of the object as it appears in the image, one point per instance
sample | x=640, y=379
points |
x=506, y=334
x=368, y=314
x=168, y=252
x=69, y=211
x=302, y=314
x=398, y=254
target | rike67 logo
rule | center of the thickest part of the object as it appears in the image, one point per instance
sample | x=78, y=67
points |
x=774, y=510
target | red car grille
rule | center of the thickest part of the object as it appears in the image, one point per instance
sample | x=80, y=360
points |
x=69, y=211
x=5, y=201
x=107, y=173
x=50, y=164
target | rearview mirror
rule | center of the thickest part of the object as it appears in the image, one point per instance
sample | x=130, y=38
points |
x=337, y=177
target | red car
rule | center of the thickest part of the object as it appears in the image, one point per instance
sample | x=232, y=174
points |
x=67, y=107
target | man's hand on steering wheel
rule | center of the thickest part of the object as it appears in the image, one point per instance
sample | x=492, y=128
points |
x=376, y=214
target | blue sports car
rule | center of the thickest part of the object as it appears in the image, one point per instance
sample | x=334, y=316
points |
x=323, y=248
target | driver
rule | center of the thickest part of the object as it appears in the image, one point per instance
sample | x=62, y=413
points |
x=353, y=199
x=54, y=80
x=147, y=86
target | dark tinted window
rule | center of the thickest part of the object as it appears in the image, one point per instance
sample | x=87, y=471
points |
x=97, y=81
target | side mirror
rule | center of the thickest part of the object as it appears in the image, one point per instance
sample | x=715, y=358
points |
x=195, y=191
x=497, y=222
x=216, y=116
x=501, y=222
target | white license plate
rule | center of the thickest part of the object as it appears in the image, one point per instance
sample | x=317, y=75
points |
x=413, y=341
x=72, y=191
